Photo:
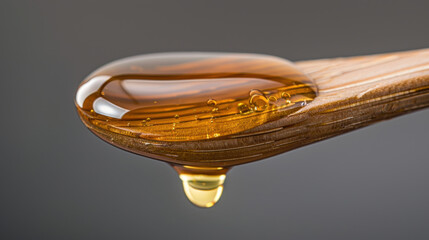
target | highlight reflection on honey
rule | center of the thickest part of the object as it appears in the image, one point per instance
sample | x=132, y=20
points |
x=164, y=99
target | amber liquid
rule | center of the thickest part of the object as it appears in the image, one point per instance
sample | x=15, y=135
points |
x=143, y=102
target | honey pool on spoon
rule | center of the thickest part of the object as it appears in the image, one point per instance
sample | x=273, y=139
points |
x=164, y=106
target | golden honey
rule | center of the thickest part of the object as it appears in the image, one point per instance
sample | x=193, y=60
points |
x=191, y=96
x=151, y=104
x=202, y=185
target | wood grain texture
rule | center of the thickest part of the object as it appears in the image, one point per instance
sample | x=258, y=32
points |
x=353, y=93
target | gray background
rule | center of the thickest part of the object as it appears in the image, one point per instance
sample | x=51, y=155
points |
x=58, y=181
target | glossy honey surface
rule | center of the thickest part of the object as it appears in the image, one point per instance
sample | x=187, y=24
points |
x=191, y=96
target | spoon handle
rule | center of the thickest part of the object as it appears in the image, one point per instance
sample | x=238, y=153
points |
x=354, y=92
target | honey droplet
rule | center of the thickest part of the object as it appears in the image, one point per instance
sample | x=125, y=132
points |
x=203, y=190
x=203, y=186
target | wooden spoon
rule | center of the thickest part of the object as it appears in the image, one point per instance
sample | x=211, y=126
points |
x=354, y=92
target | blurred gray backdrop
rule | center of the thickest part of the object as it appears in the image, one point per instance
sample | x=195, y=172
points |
x=58, y=181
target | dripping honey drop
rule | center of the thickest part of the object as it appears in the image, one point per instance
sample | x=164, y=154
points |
x=203, y=186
